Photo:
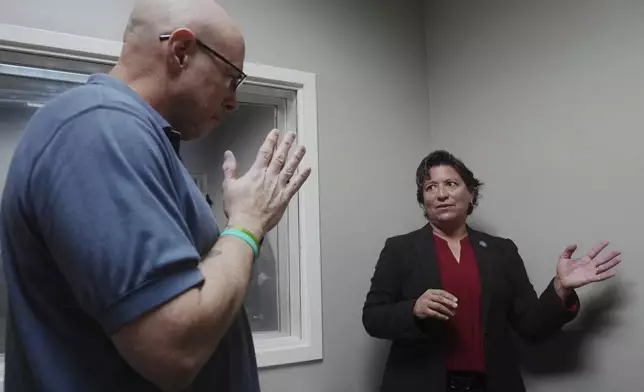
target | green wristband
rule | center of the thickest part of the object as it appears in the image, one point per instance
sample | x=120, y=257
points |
x=246, y=237
x=250, y=234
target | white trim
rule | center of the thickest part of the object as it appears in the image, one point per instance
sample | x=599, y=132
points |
x=30, y=40
x=306, y=346
x=40, y=73
x=286, y=248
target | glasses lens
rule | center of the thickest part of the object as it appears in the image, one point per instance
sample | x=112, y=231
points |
x=235, y=82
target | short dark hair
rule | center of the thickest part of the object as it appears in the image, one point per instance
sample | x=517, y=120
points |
x=444, y=158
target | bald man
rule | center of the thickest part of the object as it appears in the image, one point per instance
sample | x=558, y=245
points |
x=118, y=276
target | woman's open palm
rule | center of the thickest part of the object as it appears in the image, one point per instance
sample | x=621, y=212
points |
x=592, y=267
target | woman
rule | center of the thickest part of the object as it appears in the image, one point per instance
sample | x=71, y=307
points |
x=448, y=295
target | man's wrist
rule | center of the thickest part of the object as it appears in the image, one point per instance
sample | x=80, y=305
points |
x=249, y=224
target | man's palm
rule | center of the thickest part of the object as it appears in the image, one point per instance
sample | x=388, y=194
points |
x=257, y=200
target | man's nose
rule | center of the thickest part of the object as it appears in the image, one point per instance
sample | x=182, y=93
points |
x=230, y=103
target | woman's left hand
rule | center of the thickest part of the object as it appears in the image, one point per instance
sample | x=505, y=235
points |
x=593, y=267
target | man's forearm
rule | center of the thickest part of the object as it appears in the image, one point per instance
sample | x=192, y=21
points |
x=227, y=271
x=171, y=344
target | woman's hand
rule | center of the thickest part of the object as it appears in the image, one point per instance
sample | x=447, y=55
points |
x=575, y=273
x=437, y=304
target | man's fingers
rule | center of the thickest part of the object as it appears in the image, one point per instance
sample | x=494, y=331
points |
x=292, y=164
x=596, y=249
x=279, y=157
x=229, y=166
x=297, y=181
x=265, y=153
x=567, y=253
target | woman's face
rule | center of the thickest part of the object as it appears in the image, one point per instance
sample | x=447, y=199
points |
x=445, y=195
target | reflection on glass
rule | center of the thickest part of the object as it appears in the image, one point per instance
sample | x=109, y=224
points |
x=262, y=302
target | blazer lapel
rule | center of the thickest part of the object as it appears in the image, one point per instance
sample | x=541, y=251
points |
x=424, y=244
x=484, y=259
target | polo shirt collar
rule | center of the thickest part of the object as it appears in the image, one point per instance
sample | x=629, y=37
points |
x=106, y=80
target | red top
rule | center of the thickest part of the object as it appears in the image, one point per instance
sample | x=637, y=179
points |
x=461, y=278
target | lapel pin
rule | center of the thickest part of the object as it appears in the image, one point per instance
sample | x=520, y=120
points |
x=483, y=244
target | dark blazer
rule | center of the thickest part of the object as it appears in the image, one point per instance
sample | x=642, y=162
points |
x=408, y=267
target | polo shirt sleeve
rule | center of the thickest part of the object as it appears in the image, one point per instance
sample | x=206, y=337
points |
x=107, y=208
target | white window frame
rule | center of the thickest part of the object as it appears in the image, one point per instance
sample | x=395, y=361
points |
x=284, y=238
x=305, y=341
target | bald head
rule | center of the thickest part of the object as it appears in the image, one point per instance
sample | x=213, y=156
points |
x=190, y=76
x=205, y=18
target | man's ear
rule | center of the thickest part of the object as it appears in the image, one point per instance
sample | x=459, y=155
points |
x=182, y=45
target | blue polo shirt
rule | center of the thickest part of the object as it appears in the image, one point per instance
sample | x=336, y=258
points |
x=101, y=223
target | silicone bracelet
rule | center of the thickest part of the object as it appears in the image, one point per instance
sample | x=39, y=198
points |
x=243, y=236
x=250, y=234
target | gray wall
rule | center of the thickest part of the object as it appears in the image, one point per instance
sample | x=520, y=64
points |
x=543, y=100
x=370, y=59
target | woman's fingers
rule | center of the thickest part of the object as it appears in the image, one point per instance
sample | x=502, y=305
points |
x=445, y=298
x=442, y=309
x=435, y=314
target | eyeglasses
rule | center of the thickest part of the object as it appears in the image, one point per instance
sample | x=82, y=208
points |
x=237, y=80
